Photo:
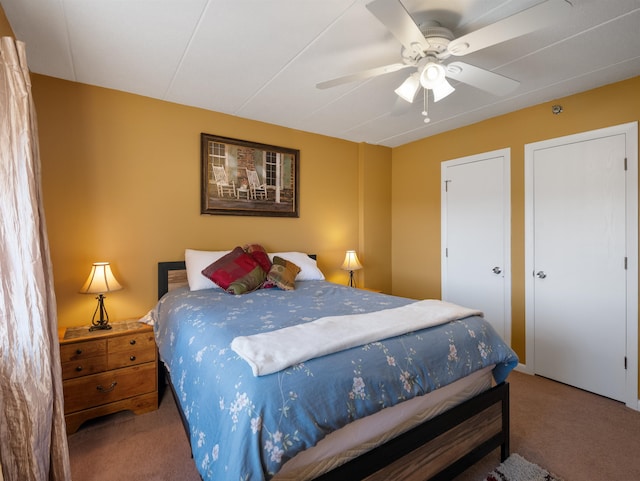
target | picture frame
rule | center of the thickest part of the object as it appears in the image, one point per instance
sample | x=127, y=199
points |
x=239, y=177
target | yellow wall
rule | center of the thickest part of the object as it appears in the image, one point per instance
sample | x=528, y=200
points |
x=375, y=218
x=121, y=181
x=416, y=211
x=5, y=27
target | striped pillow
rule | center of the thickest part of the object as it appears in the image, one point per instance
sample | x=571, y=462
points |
x=283, y=273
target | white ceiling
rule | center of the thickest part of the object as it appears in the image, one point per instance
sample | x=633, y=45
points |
x=261, y=59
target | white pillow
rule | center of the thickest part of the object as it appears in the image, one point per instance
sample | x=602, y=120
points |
x=308, y=267
x=195, y=262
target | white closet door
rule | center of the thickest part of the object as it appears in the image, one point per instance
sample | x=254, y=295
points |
x=476, y=236
x=577, y=294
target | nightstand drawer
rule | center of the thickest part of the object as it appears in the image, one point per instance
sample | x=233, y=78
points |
x=83, y=350
x=107, y=387
x=144, y=340
x=83, y=367
x=131, y=357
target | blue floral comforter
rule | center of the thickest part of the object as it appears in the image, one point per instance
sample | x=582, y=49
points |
x=244, y=427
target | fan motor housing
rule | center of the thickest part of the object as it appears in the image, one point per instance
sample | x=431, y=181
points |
x=438, y=38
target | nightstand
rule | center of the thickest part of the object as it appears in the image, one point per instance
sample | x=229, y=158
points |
x=108, y=371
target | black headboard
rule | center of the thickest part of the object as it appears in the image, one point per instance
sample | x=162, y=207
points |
x=165, y=270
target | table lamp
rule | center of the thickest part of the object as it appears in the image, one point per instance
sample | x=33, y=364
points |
x=100, y=281
x=351, y=263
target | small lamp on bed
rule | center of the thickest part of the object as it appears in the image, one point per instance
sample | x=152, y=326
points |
x=351, y=263
x=100, y=281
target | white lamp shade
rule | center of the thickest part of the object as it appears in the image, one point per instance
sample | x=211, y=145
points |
x=351, y=262
x=409, y=88
x=432, y=74
x=100, y=280
x=433, y=77
x=441, y=90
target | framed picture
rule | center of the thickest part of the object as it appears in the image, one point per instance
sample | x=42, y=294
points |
x=247, y=178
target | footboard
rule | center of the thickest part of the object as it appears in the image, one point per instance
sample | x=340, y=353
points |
x=442, y=447
x=437, y=450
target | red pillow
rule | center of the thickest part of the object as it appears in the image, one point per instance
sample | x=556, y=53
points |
x=260, y=255
x=236, y=272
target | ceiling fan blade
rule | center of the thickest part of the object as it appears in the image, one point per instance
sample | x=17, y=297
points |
x=480, y=78
x=395, y=17
x=527, y=21
x=365, y=74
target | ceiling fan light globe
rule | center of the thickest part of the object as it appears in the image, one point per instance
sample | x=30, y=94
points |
x=442, y=89
x=409, y=88
x=432, y=74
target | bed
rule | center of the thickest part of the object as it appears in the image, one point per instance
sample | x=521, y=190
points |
x=382, y=410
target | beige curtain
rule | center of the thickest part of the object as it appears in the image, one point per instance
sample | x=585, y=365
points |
x=33, y=443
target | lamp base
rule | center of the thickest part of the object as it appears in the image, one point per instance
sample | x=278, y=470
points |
x=103, y=322
x=97, y=327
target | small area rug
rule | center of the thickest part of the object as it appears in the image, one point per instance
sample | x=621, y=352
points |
x=516, y=468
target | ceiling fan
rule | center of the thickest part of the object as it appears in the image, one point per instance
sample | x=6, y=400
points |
x=425, y=47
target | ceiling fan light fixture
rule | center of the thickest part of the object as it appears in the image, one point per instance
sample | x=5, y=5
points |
x=433, y=77
x=441, y=90
x=409, y=88
x=432, y=74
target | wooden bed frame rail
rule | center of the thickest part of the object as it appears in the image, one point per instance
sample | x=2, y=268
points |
x=441, y=448
x=437, y=450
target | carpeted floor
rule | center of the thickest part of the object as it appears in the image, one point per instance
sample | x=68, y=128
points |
x=576, y=435
x=123, y=446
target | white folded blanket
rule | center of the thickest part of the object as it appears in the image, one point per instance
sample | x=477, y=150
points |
x=273, y=351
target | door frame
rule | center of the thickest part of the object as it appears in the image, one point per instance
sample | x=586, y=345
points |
x=630, y=130
x=506, y=200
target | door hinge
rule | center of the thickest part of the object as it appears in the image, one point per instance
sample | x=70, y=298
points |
x=446, y=185
x=625, y=362
x=625, y=263
x=625, y=163
x=446, y=252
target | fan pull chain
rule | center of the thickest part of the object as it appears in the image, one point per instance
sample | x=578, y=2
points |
x=425, y=104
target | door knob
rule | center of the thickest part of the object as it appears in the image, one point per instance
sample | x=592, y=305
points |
x=496, y=270
x=541, y=274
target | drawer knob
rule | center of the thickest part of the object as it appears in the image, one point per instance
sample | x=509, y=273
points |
x=79, y=368
x=78, y=351
x=132, y=358
x=132, y=342
x=108, y=389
